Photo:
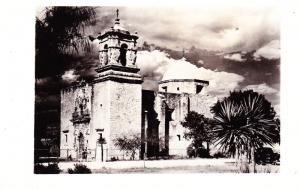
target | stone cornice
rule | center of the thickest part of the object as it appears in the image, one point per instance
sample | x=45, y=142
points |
x=119, y=33
x=120, y=79
x=185, y=80
x=117, y=68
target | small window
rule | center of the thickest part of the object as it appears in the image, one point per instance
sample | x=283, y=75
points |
x=66, y=138
x=179, y=137
x=177, y=88
x=165, y=88
x=198, y=88
x=105, y=55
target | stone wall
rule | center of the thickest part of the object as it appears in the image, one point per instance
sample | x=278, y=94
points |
x=68, y=131
x=66, y=126
x=180, y=104
x=101, y=111
x=180, y=86
x=201, y=104
x=125, y=112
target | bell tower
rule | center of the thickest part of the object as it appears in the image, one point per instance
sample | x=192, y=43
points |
x=117, y=46
x=117, y=90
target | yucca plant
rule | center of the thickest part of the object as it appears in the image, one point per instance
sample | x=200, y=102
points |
x=244, y=121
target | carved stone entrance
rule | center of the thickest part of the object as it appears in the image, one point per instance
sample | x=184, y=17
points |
x=81, y=122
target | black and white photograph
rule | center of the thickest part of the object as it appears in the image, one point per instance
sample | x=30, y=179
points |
x=149, y=94
x=142, y=89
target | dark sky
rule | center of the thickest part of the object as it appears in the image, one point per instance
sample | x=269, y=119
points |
x=231, y=47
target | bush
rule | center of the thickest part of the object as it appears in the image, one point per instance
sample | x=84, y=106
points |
x=202, y=153
x=80, y=169
x=219, y=155
x=50, y=169
x=191, y=152
x=114, y=159
x=129, y=144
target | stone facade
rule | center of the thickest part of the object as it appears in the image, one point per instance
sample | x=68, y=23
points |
x=93, y=115
x=178, y=86
x=113, y=105
x=174, y=100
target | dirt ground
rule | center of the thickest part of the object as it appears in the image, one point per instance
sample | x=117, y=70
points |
x=171, y=166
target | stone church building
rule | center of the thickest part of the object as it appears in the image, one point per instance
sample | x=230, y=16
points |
x=113, y=105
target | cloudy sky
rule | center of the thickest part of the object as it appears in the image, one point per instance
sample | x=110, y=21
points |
x=232, y=47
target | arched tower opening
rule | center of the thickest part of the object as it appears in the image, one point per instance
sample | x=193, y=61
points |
x=123, y=51
x=105, y=54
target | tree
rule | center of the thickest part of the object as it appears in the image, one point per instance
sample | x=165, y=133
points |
x=198, y=129
x=129, y=144
x=59, y=33
x=244, y=122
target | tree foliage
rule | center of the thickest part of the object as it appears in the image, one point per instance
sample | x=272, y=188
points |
x=59, y=32
x=243, y=121
x=129, y=144
x=198, y=128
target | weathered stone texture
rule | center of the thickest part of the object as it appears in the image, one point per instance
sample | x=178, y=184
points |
x=101, y=110
x=125, y=112
x=180, y=86
x=69, y=130
x=201, y=104
x=111, y=105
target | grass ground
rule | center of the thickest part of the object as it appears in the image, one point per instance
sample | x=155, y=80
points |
x=185, y=169
x=188, y=169
x=172, y=166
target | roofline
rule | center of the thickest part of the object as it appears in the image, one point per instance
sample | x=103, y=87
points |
x=120, y=33
x=184, y=80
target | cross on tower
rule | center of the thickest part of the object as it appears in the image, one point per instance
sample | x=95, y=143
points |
x=117, y=13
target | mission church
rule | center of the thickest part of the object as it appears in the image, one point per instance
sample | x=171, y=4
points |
x=114, y=104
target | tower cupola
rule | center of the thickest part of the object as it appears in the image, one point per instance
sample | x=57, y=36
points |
x=117, y=46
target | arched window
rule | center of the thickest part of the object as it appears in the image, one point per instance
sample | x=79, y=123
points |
x=105, y=54
x=122, y=57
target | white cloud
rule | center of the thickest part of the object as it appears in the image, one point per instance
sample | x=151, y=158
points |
x=269, y=51
x=236, y=57
x=277, y=109
x=227, y=28
x=156, y=65
x=43, y=81
x=200, y=61
x=262, y=88
x=69, y=76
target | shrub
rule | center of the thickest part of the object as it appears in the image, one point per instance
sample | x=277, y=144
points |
x=219, y=155
x=129, y=144
x=114, y=159
x=79, y=169
x=202, y=153
x=191, y=152
x=50, y=169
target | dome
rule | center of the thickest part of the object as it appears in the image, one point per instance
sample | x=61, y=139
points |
x=118, y=27
x=181, y=69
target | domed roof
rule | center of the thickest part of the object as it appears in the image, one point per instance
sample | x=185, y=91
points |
x=181, y=69
x=118, y=27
